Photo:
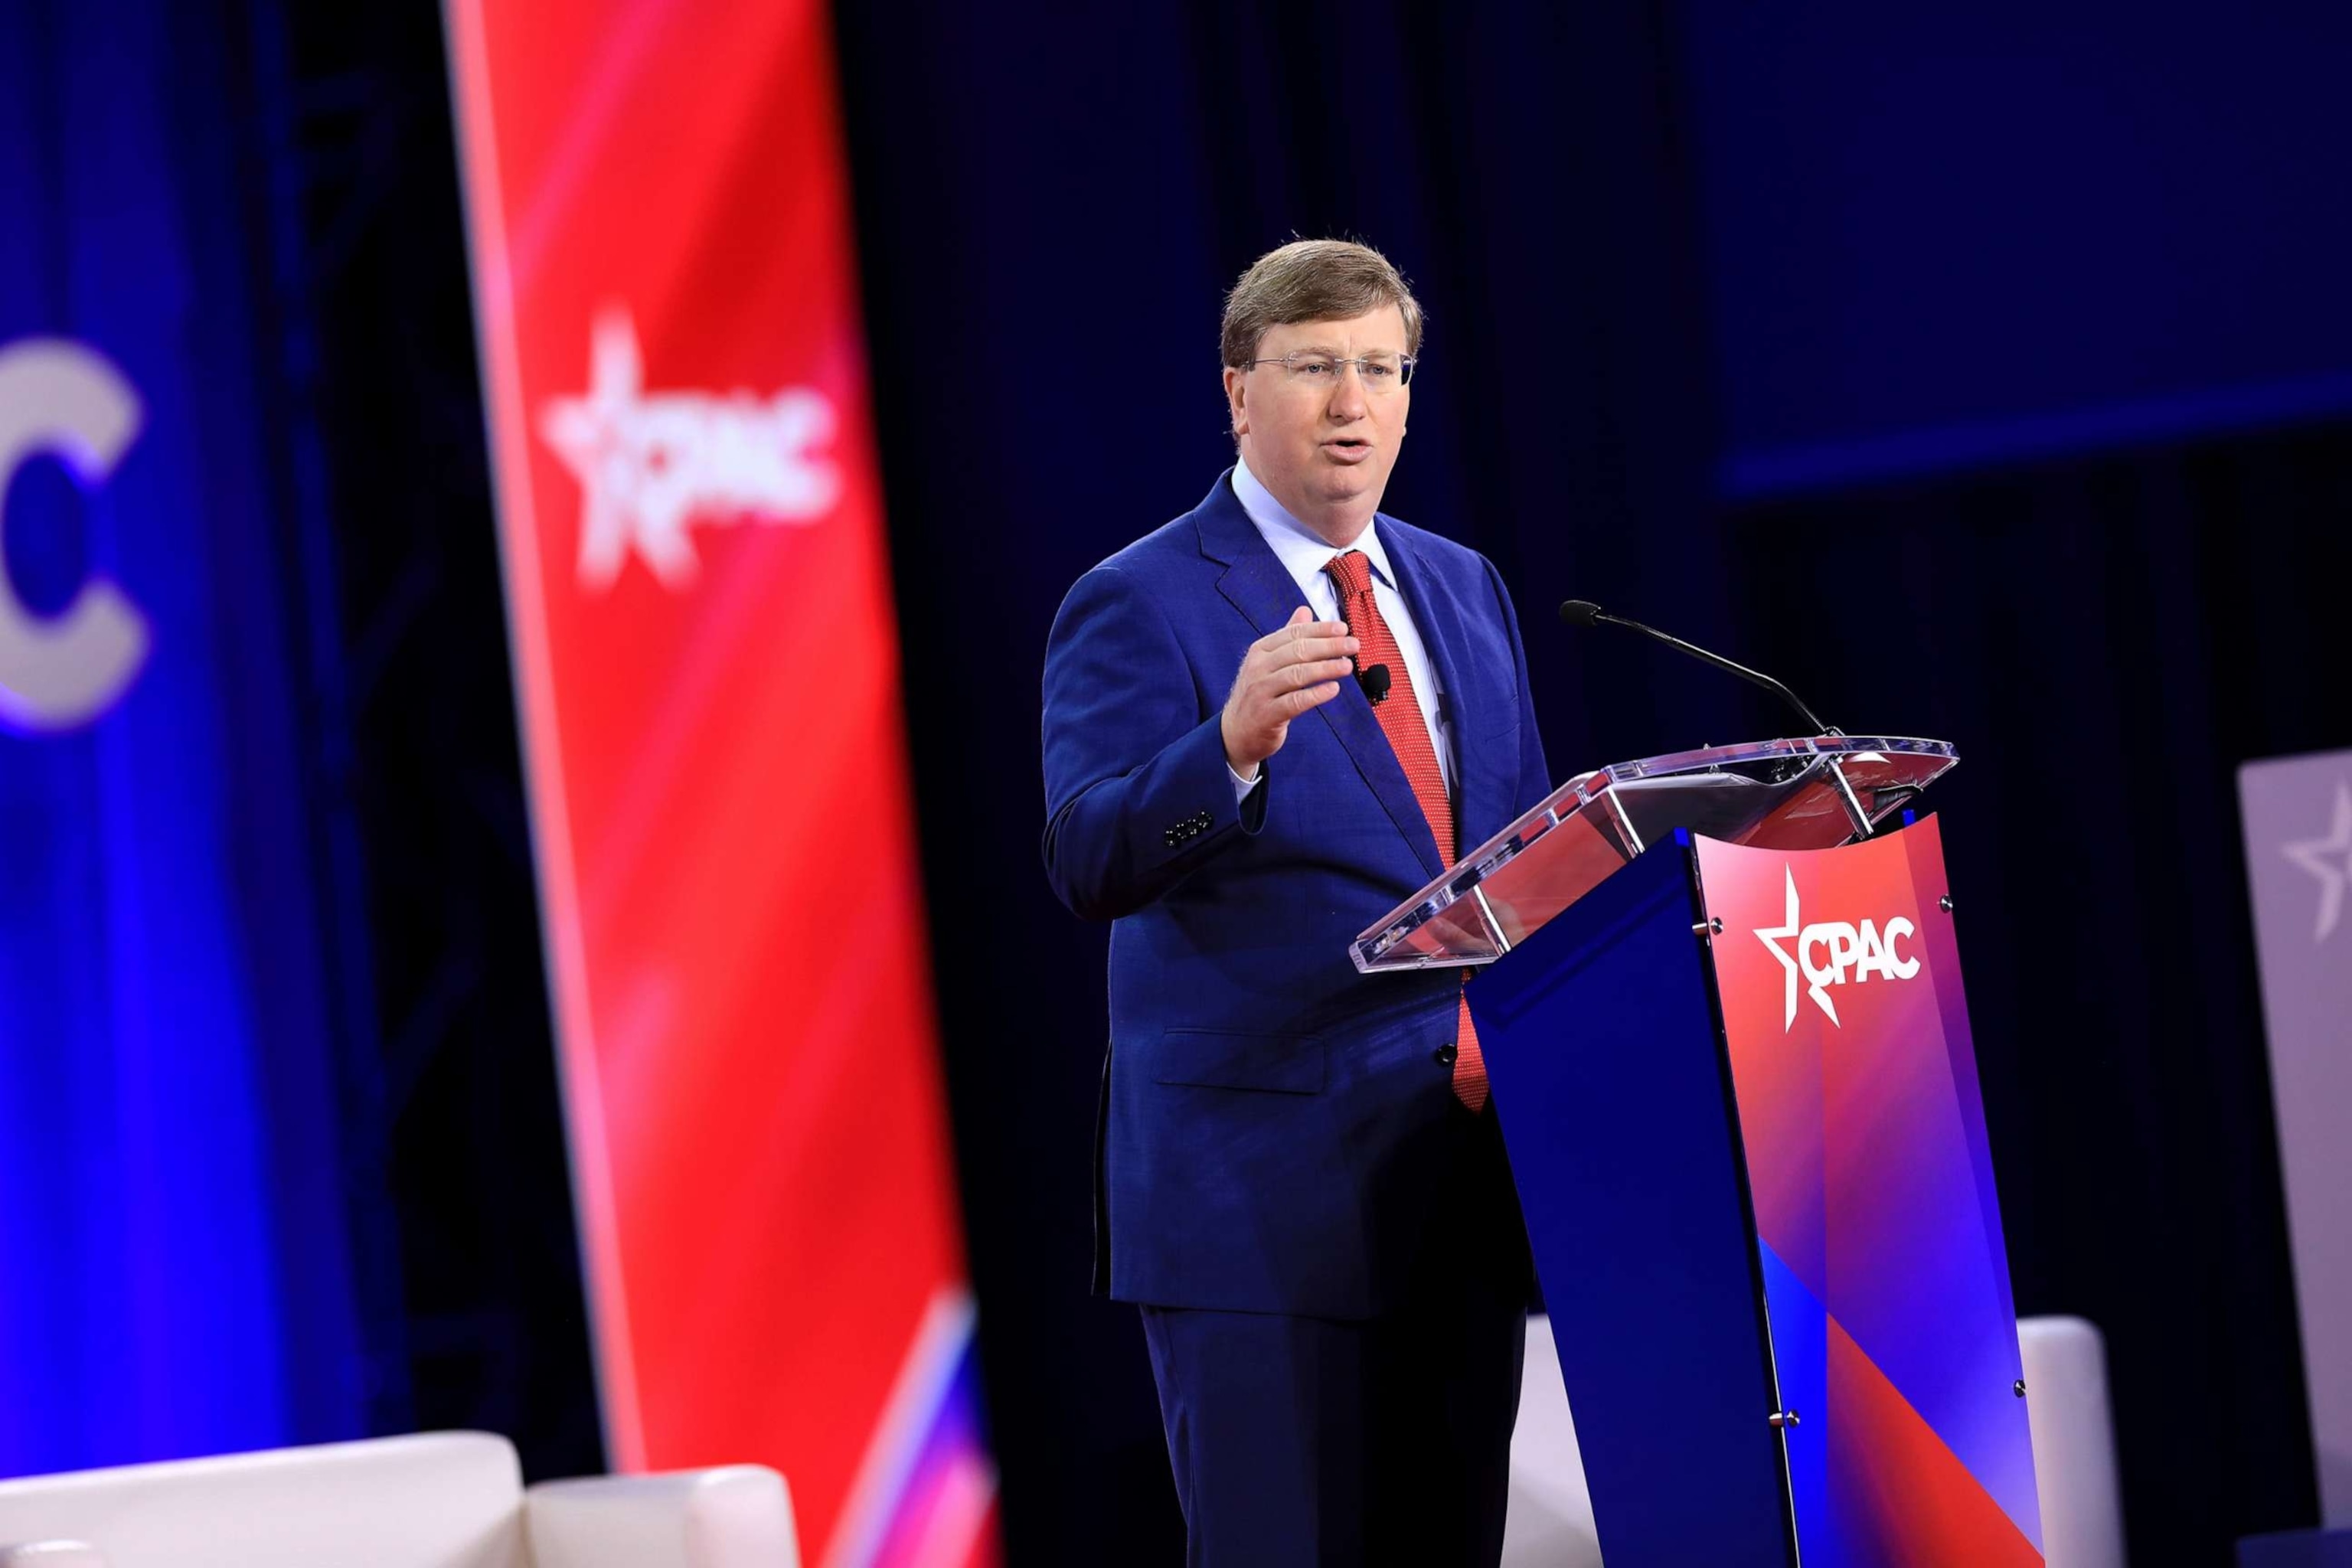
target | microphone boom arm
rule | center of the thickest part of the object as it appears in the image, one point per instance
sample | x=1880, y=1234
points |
x=1580, y=612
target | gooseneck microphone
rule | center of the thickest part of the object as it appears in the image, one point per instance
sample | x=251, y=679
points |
x=1585, y=613
x=1375, y=682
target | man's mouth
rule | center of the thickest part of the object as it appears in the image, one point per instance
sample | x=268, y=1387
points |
x=1349, y=448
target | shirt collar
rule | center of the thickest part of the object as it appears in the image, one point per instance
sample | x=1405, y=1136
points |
x=1303, y=552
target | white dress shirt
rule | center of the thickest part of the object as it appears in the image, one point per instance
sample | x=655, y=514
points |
x=1304, y=553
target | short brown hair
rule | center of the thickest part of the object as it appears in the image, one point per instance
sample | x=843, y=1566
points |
x=1313, y=281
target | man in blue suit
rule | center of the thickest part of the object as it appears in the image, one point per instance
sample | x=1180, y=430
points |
x=1266, y=724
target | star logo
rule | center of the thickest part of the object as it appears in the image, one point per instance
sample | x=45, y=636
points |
x=1847, y=953
x=651, y=466
x=2330, y=860
x=1772, y=937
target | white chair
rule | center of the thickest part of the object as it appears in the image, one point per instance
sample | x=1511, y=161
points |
x=1550, y=1520
x=441, y=1499
x=52, y=1554
x=2074, y=1442
x=1549, y=1524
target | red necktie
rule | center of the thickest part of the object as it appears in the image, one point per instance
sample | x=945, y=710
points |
x=1407, y=734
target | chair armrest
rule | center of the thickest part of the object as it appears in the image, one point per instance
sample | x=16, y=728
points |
x=2065, y=1362
x=737, y=1516
x=52, y=1554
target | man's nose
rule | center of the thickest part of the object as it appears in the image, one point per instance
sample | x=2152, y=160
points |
x=1348, y=393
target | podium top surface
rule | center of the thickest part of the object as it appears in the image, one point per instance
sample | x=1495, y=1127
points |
x=1814, y=793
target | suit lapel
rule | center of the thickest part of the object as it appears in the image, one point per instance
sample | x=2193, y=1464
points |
x=1256, y=585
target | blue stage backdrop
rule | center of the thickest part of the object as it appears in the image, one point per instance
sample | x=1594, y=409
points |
x=1934, y=241
x=173, y=1221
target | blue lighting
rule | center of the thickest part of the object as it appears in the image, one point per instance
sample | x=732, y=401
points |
x=172, y=1220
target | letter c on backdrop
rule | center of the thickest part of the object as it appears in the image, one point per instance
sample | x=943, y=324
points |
x=61, y=399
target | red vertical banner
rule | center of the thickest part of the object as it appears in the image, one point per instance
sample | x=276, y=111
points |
x=707, y=664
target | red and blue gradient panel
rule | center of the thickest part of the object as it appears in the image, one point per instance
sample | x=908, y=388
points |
x=707, y=674
x=1886, y=1280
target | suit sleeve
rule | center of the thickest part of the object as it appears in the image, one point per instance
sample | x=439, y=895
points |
x=1535, y=778
x=1138, y=792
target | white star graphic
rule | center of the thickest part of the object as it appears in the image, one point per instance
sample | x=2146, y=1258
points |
x=1772, y=937
x=2330, y=860
x=589, y=433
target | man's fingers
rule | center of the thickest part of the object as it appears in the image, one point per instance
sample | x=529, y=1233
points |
x=1289, y=671
x=1317, y=671
x=1298, y=629
x=1308, y=650
x=1280, y=682
x=1308, y=696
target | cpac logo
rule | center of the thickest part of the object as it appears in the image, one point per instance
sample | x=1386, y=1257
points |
x=60, y=399
x=651, y=467
x=1842, y=950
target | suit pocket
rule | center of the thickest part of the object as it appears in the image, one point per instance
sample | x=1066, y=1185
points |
x=1498, y=723
x=1208, y=1058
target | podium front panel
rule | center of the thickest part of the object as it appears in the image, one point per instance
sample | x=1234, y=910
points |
x=1893, y=1330
x=1600, y=1035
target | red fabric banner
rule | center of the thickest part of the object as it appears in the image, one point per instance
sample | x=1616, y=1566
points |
x=706, y=664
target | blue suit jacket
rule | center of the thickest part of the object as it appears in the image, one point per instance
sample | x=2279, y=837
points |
x=1271, y=1117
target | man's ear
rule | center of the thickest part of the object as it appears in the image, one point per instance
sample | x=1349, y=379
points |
x=1236, y=401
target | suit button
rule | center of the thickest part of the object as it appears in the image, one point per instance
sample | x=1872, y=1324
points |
x=1444, y=1054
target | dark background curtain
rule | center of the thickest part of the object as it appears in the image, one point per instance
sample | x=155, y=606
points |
x=1051, y=203
x=463, y=1179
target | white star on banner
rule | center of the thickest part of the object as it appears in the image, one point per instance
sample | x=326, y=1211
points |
x=2330, y=860
x=1772, y=937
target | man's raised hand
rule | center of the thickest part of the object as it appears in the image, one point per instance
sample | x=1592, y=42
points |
x=1285, y=674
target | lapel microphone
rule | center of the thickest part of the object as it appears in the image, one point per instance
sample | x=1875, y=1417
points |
x=1375, y=682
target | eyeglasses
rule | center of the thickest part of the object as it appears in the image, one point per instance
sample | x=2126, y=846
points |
x=1379, y=373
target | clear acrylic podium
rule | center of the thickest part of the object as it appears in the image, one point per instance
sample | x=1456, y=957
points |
x=1721, y=1011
